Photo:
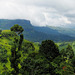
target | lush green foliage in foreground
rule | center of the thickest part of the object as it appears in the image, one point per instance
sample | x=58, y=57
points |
x=21, y=57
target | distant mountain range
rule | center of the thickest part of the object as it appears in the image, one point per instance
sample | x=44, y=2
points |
x=66, y=30
x=37, y=34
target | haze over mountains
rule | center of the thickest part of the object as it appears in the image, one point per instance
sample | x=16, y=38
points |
x=65, y=30
x=38, y=34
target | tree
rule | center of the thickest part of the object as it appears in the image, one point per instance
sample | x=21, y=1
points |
x=16, y=28
x=73, y=62
x=67, y=70
x=3, y=55
x=5, y=70
x=49, y=49
x=27, y=47
x=15, y=50
x=36, y=64
x=69, y=52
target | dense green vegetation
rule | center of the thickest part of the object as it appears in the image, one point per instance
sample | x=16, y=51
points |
x=21, y=57
x=63, y=45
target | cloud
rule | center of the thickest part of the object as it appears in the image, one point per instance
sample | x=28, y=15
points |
x=39, y=12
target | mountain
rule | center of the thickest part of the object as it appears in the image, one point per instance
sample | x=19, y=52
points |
x=64, y=30
x=36, y=34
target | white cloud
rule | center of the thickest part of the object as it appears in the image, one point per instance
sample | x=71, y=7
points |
x=39, y=12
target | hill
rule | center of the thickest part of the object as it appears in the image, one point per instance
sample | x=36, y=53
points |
x=36, y=34
x=55, y=33
x=6, y=42
x=31, y=59
x=66, y=30
x=63, y=45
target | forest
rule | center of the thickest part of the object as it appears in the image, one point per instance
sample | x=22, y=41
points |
x=19, y=56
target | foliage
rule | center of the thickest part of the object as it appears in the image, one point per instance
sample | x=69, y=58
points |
x=69, y=52
x=17, y=28
x=21, y=57
x=27, y=47
x=49, y=49
x=36, y=64
x=15, y=54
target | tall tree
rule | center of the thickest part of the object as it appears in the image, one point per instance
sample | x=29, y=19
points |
x=15, y=50
x=49, y=49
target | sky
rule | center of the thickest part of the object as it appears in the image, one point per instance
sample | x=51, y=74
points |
x=40, y=12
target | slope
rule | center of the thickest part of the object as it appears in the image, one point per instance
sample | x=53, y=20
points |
x=67, y=31
x=34, y=34
x=6, y=42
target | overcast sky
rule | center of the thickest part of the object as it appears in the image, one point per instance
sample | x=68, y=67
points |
x=39, y=12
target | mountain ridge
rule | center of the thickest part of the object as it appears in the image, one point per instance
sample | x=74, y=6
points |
x=34, y=34
x=66, y=31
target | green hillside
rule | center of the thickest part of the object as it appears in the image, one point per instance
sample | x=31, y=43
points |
x=6, y=42
x=63, y=45
x=22, y=57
